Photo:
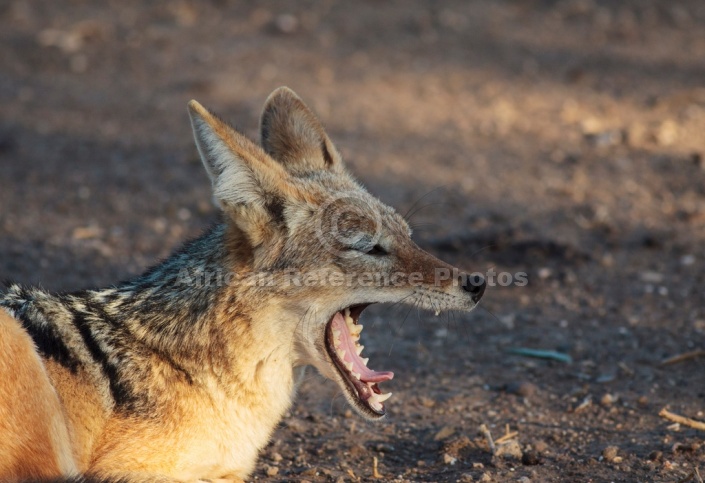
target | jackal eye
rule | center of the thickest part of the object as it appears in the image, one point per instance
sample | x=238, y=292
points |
x=377, y=251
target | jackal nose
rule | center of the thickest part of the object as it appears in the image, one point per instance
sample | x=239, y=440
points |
x=475, y=285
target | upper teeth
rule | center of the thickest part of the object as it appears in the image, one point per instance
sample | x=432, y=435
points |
x=354, y=330
x=375, y=401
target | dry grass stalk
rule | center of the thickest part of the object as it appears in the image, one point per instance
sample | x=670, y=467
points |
x=676, y=418
x=683, y=357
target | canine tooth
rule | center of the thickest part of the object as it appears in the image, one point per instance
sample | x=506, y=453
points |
x=383, y=397
x=341, y=353
x=349, y=366
x=359, y=348
x=438, y=312
x=365, y=360
x=347, y=312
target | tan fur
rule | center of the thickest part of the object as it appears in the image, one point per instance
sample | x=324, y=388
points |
x=199, y=423
x=85, y=413
x=34, y=440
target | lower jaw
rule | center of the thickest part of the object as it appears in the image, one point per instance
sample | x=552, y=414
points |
x=360, y=404
x=357, y=390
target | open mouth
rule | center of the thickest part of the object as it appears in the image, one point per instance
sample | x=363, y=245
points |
x=342, y=344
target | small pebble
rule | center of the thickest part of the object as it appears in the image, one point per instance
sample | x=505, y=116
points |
x=286, y=23
x=687, y=260
x=530, y=458
x=610, y=453
x=607, y=138
x=521, y=388
x=509, y=450
x=651, y=277
x=271, y=470
x=656, y=455
x=540, y=446
x=383, y=448
x=448, y=459
x=667, y=133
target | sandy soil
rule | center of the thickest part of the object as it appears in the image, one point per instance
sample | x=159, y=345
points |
x=564, y=139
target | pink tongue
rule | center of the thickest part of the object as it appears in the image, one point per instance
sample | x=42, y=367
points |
x=348, y=345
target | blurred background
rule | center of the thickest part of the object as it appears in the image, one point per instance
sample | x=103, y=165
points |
x=561, y=138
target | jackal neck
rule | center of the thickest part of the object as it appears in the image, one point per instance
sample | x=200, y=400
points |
x=179, y=321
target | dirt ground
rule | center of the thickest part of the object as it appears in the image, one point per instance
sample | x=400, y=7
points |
x=564, y=139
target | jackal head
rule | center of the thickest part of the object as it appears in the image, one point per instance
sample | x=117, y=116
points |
x=330, y=248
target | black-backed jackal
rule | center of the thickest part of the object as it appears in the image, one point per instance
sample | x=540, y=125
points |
x=183, y=373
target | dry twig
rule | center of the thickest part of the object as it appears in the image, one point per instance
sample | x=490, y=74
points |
x=375, y=471
x=507, y=435
x=683, y=357
x=627, y=370
x=695, y=474
x=488, y=436
x=676, y=418
x=687, y=477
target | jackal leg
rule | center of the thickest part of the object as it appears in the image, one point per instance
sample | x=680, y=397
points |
x=34, y=439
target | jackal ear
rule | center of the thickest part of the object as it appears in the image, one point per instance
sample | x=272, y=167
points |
x=293, y=135
x=248, y=184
